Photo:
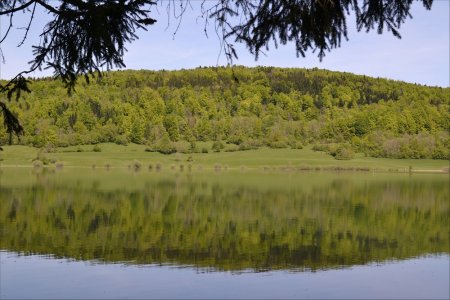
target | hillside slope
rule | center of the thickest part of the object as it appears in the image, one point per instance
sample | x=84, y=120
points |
x=340, y=113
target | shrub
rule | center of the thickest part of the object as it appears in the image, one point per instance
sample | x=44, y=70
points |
x=97, y=148
x=343, y=152
x=441, y=152
x=49, y=148
x=121, y=140
x=193, y=147
x=320, y=147
x=277, y=144
x=295, y=145
x=165, y=146
x=247, y=145
x=217, y=146
x=38, y=141
x=182, y=147
x=231, y=148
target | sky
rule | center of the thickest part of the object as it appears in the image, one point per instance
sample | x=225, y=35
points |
x=420, y=56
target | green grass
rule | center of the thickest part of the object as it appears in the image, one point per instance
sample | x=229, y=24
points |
x=117, y=156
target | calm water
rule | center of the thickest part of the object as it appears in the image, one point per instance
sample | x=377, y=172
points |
x=99, y=234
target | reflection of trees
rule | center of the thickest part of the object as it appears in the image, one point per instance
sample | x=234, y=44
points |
x=231, y=228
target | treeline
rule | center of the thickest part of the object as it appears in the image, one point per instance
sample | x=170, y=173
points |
x=341, y=113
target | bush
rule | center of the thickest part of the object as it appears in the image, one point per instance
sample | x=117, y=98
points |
x=217, y=146
x=193, y=147
x=321, y=147
x=277, y=144
x=204, y=150
x=295, y=145
x=97, y=148
x=49, y=148
x=165, y=146
x=231, y=148
x=121, y=140
x=247, y=145
x=38, y=141
x=441, y=152
x=182, y=147
x=343, y=152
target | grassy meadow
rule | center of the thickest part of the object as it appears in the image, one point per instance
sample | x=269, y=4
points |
x=109, y=155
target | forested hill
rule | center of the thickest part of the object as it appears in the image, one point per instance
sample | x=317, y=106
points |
x=341, y=113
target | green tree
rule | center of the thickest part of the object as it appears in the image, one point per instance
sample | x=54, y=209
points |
x=165, y=145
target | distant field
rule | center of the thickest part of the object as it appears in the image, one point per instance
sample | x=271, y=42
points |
x=131, y=156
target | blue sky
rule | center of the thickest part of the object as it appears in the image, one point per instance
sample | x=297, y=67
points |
x=421, y=56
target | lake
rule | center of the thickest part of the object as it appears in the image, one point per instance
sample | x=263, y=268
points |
x=84, y=233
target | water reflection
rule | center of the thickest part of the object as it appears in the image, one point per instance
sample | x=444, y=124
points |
x=304, y=224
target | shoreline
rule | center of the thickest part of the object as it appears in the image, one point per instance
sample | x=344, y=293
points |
x=181, y=168
x=264, y=160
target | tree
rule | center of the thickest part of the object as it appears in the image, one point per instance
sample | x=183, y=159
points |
x=86, y=35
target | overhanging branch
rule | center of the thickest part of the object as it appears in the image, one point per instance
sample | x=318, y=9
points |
x=15, y=9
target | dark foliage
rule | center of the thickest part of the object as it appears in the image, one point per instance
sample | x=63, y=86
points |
x=83, y=37
x=309, y=24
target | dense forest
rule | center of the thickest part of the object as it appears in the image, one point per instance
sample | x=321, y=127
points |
x=242, y=108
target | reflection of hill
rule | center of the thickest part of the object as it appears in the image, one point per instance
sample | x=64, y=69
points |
x=234, y=228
